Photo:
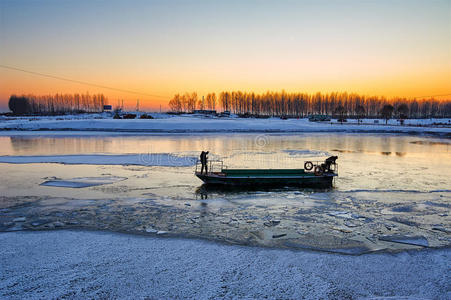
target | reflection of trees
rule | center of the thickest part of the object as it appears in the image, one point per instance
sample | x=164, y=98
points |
x=236, y=150
x=58, y=145
x=397, y=145
x=242, y=150
x=386, y=144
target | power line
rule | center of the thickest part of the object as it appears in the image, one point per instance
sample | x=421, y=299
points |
x=129, y=91
x=442, y=95
x=81, y=82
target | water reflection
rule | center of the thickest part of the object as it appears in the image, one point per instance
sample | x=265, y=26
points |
x=51, y=145
x=386, y=185
x=222, y=145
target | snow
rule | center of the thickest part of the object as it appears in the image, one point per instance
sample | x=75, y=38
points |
x=146, y=159
x=87, y=264
x=192, y=123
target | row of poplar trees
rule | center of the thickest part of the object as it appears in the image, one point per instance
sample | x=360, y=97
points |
x=56, y=104
x=304, y=104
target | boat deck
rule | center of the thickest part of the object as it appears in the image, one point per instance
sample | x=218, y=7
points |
x=279, y=177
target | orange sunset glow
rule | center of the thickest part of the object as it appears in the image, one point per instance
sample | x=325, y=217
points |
x=153, y=51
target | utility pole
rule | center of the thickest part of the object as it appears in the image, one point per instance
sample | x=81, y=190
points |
x=137, y=105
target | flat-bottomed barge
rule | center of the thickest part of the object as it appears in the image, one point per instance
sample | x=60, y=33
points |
x=314, y=174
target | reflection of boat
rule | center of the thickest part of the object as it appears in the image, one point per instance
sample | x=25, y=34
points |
x=314, y=174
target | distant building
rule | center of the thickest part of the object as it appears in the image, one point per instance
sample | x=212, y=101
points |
x=225, y=113
x=319, y=118
x=107, y=108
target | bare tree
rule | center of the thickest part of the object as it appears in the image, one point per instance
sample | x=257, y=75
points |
x=360, y=112
x=387, y=112
x=61, y=103
x=402, y=111
x=340, y=110
x=302, y=104
x=176, y=104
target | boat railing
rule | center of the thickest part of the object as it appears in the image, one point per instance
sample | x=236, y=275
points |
x=214, y=166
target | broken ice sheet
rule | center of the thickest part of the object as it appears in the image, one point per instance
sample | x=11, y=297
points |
x=82, y=182
x=343, y=215
x=410, y=240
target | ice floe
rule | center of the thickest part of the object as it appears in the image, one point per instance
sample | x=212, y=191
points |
x=411, y=240
x=145, y=159
x=307, y=153
x=82, y=182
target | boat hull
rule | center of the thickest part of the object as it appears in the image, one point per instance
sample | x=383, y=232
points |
x=324, y=180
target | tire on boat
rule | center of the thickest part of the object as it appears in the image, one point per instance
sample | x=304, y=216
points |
x=308, y=165
x=318, y=171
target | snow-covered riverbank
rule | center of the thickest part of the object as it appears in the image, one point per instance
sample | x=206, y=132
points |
x=192, y=124
x=77, y=264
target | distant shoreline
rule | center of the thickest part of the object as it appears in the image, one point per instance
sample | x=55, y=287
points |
x=437, y=134
x=193, y=124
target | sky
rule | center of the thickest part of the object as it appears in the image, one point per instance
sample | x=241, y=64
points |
x=160, y=48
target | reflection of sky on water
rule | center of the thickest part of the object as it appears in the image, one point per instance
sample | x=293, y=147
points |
x=365, y=161
x=222, y=144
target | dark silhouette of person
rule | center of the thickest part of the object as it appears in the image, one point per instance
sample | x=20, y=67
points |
x=328, y=162
x=203, y=161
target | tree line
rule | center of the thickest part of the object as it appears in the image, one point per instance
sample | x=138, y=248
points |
x=303, y=104
x=190, y=102
x=56, y=104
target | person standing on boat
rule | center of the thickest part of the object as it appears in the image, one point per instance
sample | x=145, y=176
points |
x=203, y=161
x=328, y=162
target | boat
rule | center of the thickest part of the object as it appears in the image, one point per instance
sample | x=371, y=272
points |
x=315, y=174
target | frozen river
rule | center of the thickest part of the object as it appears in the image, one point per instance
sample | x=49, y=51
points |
x=392, y=193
